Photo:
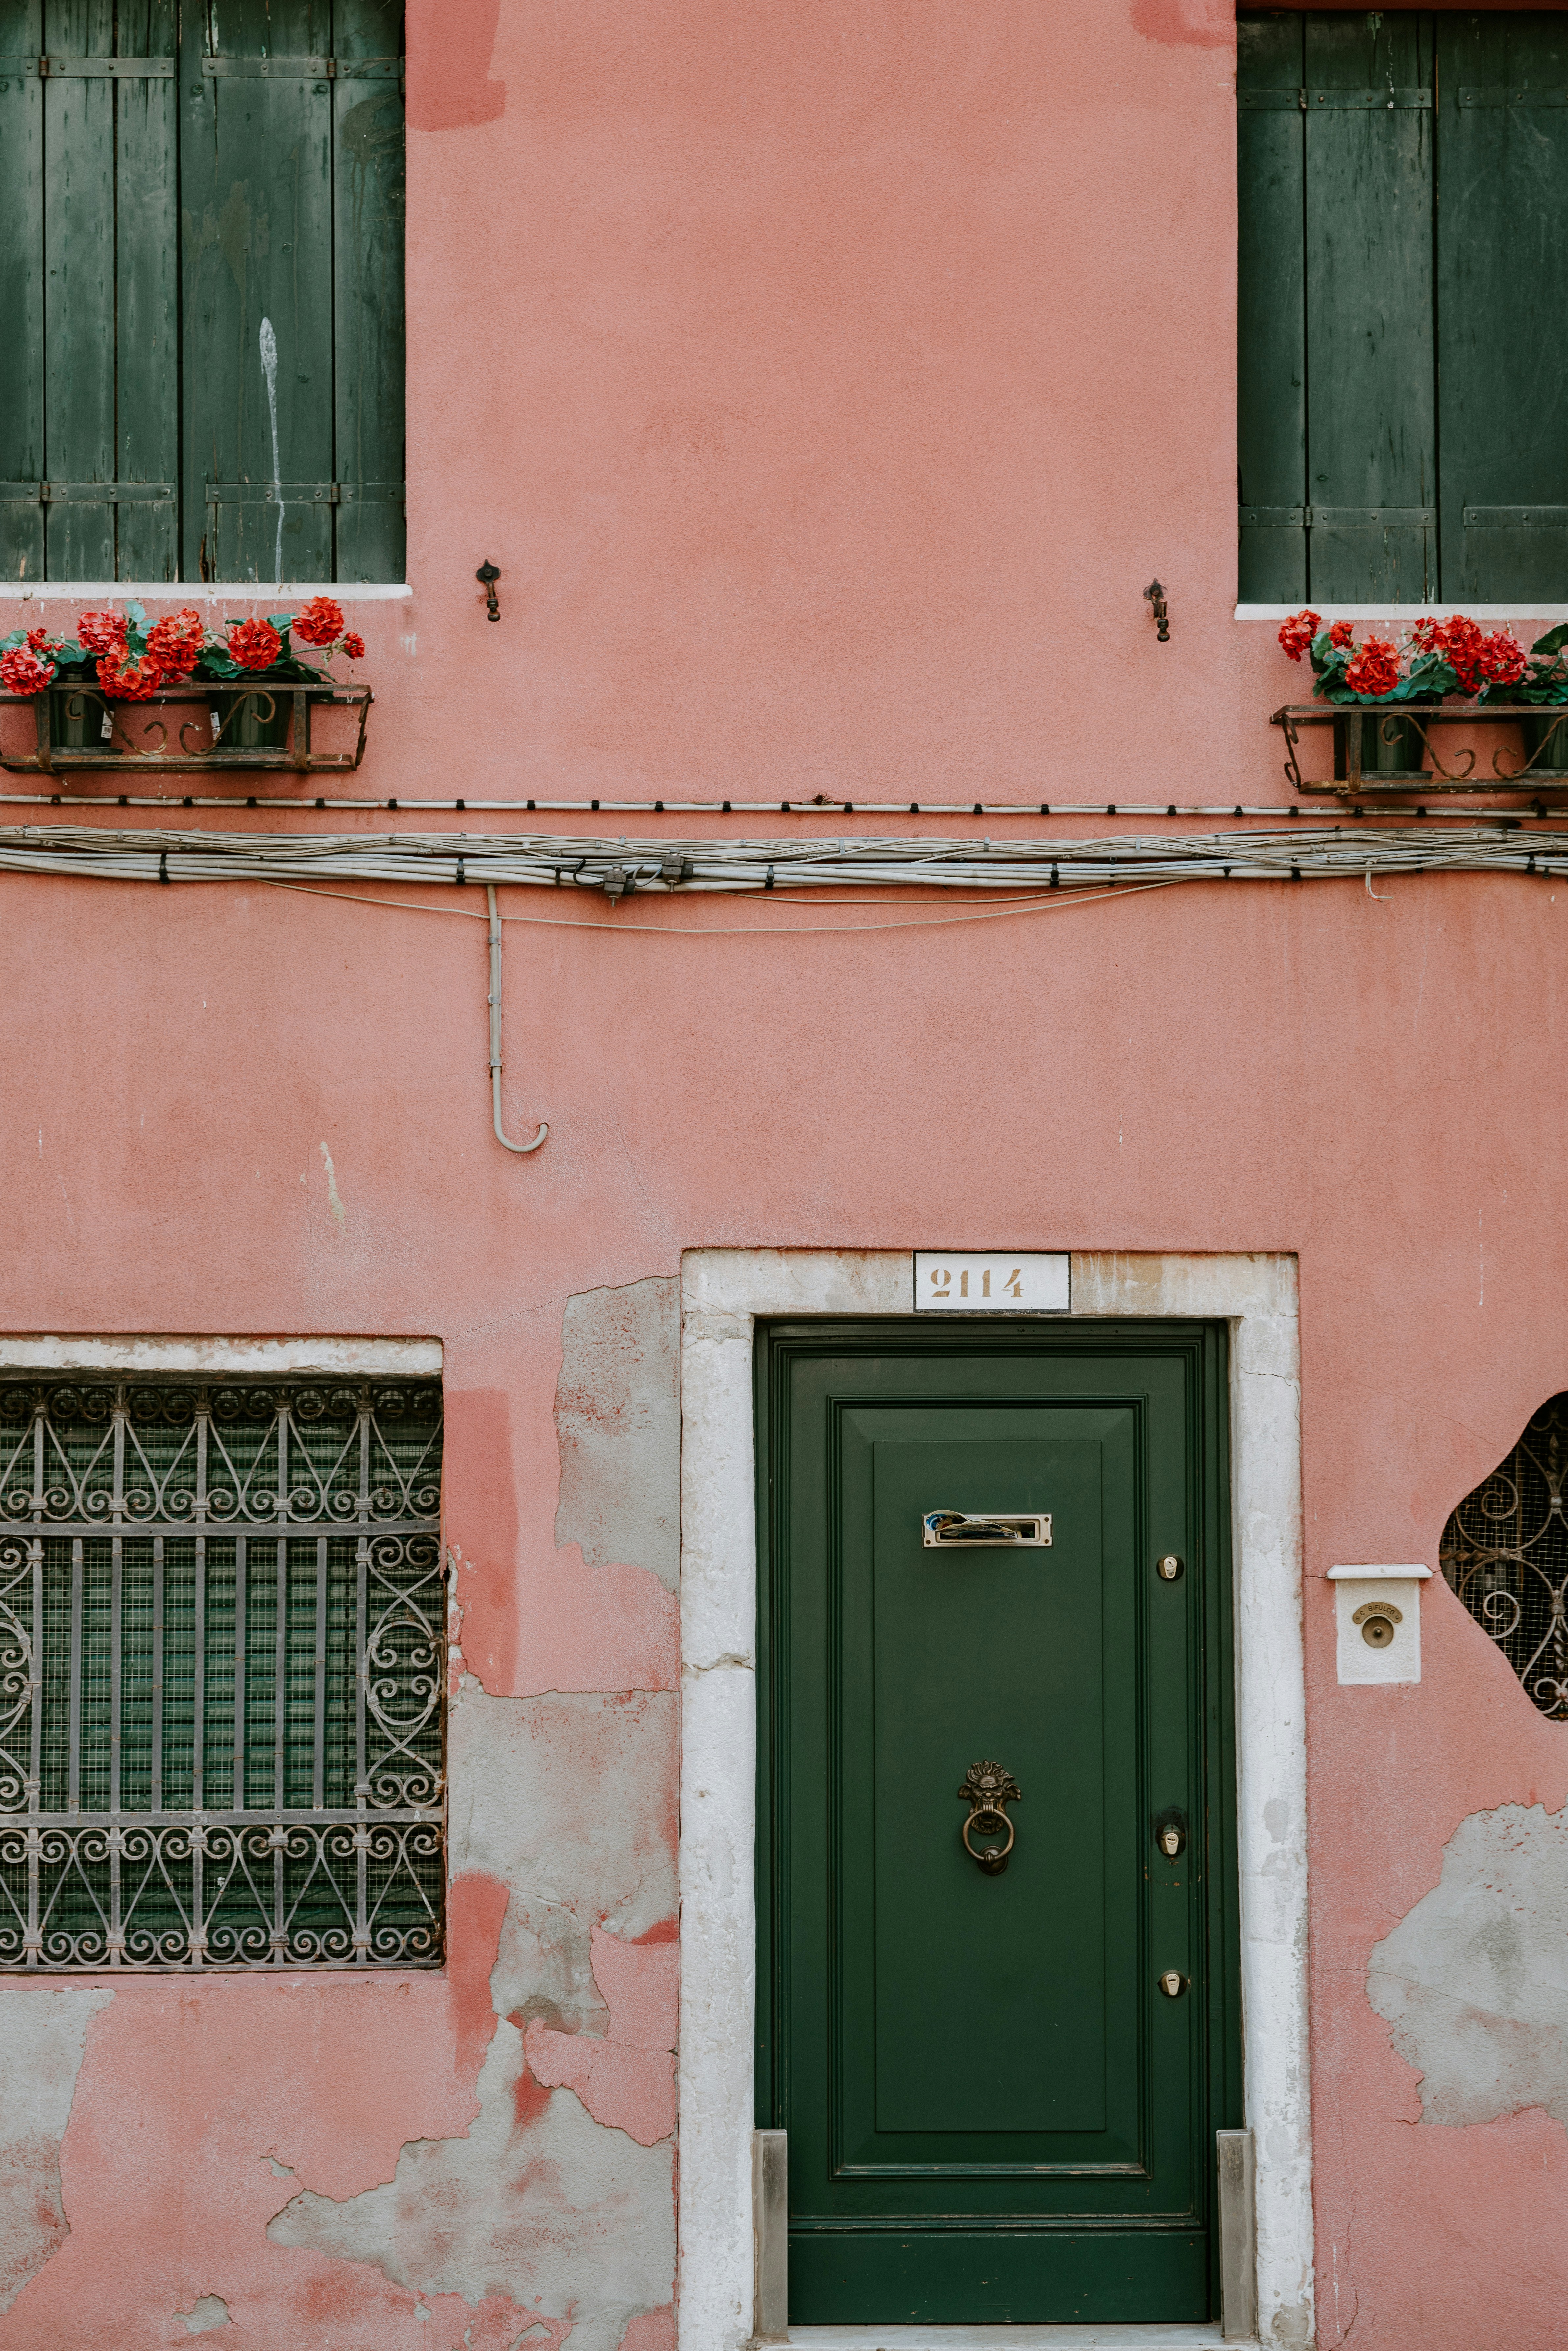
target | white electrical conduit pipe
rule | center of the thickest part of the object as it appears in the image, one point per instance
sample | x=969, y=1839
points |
x=687, y=868
x=501, y=1136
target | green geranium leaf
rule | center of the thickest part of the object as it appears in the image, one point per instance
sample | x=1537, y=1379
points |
x=1553, y=640
x=136, y=614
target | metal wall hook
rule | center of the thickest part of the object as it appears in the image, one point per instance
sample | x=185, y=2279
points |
x=1155, y=596
x=495, y=1002
x=488, y=576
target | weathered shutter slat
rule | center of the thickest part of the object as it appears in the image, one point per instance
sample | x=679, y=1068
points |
x=79, y=296
x=147, y=304
x=1272, y=398
x=1502, y=221
x=21, y=287
x=1371, y=391
x=368, y=172
x=257, y=268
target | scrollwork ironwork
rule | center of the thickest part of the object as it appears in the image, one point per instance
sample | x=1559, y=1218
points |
x=1505, y=1553
x=300, y=1823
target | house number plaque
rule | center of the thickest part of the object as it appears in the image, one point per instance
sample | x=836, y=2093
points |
x=992, y=1281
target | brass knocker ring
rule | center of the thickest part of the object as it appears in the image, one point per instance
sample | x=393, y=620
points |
x=992, y=1857
x=989, y=1788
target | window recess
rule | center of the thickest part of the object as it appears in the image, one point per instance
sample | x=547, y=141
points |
x=202, y=373
x=1505, y=1553
x=1402, y=378
x=222, y=1675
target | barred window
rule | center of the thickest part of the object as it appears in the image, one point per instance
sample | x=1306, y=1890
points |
x=222, y=1674
x=1505, y=1553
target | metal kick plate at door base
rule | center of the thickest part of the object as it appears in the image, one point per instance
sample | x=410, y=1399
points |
x=986, y=1530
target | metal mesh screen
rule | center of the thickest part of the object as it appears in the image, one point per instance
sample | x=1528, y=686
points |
x=221, y=1663
x=1505, y=1553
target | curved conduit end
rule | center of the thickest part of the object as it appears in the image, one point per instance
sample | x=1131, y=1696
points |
x=495, y=1003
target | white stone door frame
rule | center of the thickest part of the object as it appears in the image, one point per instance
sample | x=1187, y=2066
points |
x=725, y=1293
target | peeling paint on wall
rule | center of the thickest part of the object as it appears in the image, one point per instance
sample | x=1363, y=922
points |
x=559, y=2199
x=1473, y=1978
x=208, y=2309
x=627, y=2078
x=43, y=2032
x=618, y=1421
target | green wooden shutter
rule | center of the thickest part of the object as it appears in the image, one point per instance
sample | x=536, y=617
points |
x=1502, y=228
x=250, y=165
x=89, y=386
x=293, y=177
x=1345, y=365
x=21, y=290
x=1271, y=308
x=368, y=306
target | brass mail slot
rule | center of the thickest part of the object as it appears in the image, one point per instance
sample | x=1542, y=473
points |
x=988, y=1530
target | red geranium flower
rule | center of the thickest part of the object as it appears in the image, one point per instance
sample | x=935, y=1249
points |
x=1426, y=636
x=354, y=646
x=1297, y=634
x=1374, y=669
x=103, y=634
x=1342, y=634
x=176, y=642
x=22, y=671
x=255, y=644
x=1459, y=643
x=321, y=623
x=1500, y=659
x=130, y=679
x=39, y=640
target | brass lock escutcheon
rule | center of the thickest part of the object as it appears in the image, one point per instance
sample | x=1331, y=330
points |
x=988, y=1790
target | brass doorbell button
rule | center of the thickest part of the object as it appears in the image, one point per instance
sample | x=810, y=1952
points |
x=1377, y=1619
x=1173, y=1983
x=1168, y=1567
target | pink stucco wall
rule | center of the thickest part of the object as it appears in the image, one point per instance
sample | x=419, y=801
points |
x=828, y=384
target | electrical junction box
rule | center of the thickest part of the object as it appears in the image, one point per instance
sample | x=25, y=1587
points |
x=1378, y=1610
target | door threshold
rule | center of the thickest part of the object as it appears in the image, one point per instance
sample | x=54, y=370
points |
x=1202, y=2337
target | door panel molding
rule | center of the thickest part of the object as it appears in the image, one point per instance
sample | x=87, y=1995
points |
x=724, y=1293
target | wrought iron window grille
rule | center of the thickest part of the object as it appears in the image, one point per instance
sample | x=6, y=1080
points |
x=1505, y=1553
x=222, y=1674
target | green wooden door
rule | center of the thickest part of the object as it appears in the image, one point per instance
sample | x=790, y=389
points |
x=995, y=2112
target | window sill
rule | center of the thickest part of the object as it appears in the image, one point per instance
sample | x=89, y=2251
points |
x=1522, y=610
x=196, y=591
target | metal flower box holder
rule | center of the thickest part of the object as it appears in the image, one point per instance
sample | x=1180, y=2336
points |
x=260, y=708
x=1365, y=732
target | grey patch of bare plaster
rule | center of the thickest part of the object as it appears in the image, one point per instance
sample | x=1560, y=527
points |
x=559, y=2212
x=569, y=1800
x=209, y=2309
x=1293, y=2327
x=565, y=1799
x=618, y=1425
x=43, y=2034
x=1474, y=1980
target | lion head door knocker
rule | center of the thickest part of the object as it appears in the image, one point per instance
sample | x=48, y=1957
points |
x=988, y=1790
